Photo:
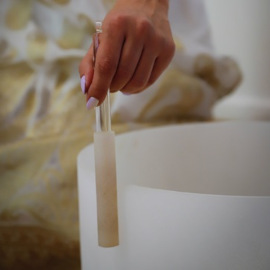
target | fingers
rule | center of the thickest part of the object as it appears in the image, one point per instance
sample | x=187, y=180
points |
x=153, y=62
x=162, y=62
x=107, y=58
x=130, y=57
x=142, y=73
x=138, y=58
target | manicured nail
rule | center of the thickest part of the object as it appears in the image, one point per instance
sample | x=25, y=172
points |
x=83, y=84
x=92, y=103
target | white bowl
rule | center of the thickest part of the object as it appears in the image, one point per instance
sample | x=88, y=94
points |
x=193, y=196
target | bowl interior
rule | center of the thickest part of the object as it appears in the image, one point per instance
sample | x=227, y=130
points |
x=219, y=158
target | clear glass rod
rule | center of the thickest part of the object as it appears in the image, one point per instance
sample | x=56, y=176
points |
x=103, y=112
x=103, y=115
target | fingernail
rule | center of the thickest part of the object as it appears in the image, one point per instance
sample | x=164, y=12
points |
x=126, y=94
x=92, y=103
x=83, y=84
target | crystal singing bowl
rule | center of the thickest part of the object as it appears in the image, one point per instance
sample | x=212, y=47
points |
x=194, y=196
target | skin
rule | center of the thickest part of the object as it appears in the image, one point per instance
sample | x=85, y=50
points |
x=136, y=45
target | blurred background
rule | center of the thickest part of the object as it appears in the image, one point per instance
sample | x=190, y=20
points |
x=240, y=29
x=44, y=123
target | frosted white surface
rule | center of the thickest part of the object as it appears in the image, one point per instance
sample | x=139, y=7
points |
x=190, y=197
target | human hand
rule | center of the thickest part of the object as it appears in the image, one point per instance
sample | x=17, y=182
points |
x=136, y=45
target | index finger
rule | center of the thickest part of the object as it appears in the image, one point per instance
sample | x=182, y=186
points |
x=107, y=57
